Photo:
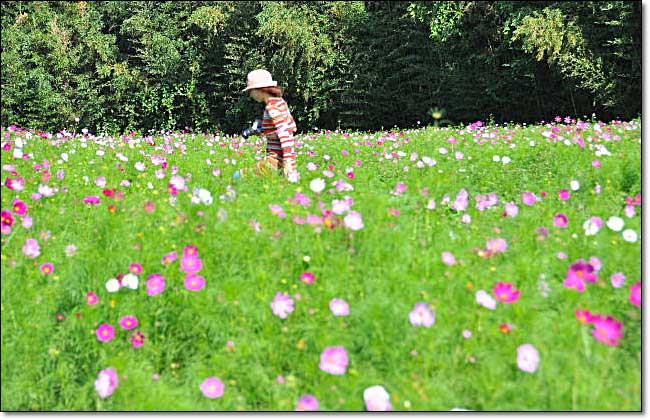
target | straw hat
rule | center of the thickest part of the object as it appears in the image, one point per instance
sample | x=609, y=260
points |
x=258, y=79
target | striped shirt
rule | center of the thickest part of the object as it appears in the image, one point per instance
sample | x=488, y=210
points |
x=278, y=126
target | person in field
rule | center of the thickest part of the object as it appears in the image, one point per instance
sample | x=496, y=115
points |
x=277, y=125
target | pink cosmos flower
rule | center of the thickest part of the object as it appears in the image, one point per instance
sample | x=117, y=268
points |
x=92, y=298
x=462, y=201
x=635, y=294
x=194, y=282
x=353, y=221
x=527, y=358
x=608, y=330
x=561, y=220
x=107, y=382
x=486, y=300
x=47, y=268
x=394, y=212
x=307, y=403
x=511, y=209
x=31, y=248
x=212, y=387
x=15, y=184
x=137, y=339
x=282, y=305
x=190, y=264
x=506, y=292
x=135, y=268
x=105, y=332
x=448, y=258
x=155, y=284
x=596, y=164
x=71, y=250
x=585, y=316
x=630, y=211
x=19, y=207
x=564, y=194
x=169, y=258
x=579, y=273
x=128, y=322
x=377, y=399
x=617, y=280
x=92, y=199
x=596, y=263
x=191, y=251
x=422, y=315
x=339, y=307
x=467, y=334
x=334, y=360
x=307, y=277
x=529, y=198
x=149, y=206
x=496, y=246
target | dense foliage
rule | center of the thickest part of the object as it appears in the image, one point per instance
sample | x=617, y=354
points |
x=168, y=65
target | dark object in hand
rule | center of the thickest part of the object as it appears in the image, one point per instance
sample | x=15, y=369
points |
x=255, y=129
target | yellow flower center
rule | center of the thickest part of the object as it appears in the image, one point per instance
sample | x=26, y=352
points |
x=504, y=296
x=580, y=273
x=46, y=269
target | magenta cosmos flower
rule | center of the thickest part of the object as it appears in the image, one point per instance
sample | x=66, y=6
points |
x=307, y=403
x=92, y=199
x=105, y=332
x=282, y=305
x=191, y=251
x=92, y=298
x=578, y=274
x=422, y=315
x=334, y=360
x=47, y=268
x=169, y=258
x=608, y=330
x=137, y=339
x=307, y=277
x=194, y=282
x=191, y=264
x=136, y=268
x=585, y=316
x=339, y=307
x=635, y=294
x=561, y=220
x=20, y=207
x=527, y=358
x=107, y=382
x=128, y=322
x=155, y=284
x=564, y=194
x=212, y=387
x=506, y=292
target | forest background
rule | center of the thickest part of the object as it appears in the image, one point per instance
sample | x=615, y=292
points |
x=136, y=65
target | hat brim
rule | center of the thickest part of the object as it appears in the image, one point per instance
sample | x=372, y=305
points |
x=275, y=83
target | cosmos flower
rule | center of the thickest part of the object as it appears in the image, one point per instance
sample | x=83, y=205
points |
x=579, y=273
x=194, y=282
x=155, y=284
x=282, y=305
x=635, y=294
x=105, y=332
x=448, y=258
x=353, y=221
x=212, y=387
x=334, y=360
x=307, y=277
x=307, y=403
x=506, y=292
x=527, y=358
x=92, y=298
x=376, y=398
x=422, y=315
x=339, y=307
x=128, y=322
x=31, y=248
x=608, y=330
x=107, y=382
x=561, y=220
x=483, y=298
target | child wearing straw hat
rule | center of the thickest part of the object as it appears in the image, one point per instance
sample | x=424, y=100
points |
x=278, y=126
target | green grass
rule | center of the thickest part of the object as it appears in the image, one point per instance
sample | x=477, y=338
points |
x=382, y=271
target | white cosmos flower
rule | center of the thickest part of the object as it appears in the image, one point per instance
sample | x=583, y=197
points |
x=505, y=160
x=629, y=235
x=140, y=166
x=615, y=223
x=317, y=185
x=496, y=158
x=483, y=298
x=18, y=153
x=590, y=228
x=131, y=281
x=113, y=285
x=575, y=185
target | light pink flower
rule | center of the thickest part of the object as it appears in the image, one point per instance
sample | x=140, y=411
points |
x=353, y=221
x=212, y=387
x=511, y=209
x=617, y=280
x=448, y=258
x=339, y=307
x=155, y=284
x=527, y=358
x=194, y=282
x=529, y=198
x=334, y=360
x=31, y=248
x=422, y=315
x=191, y=264
x=307, y=403
x=377, y=399
x=282, y=305
x=107, y=382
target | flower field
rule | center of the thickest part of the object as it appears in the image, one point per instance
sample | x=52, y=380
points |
x=480, y=267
